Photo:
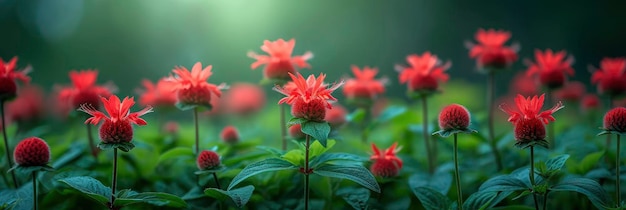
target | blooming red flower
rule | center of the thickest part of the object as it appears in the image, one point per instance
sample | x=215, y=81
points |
x=32, y=151
x=424, y=74
x=386, y=163
x=363, y=85
x=28, y=105
x=551, y=68
x=610, y=78
x=279, y=62
x=244, y=99
x=454, y=117
x=572, y=91
x=295, y=131
x=117, y=126
x=336, y=116
x=615, y=120
x=590, y=102
x=84, y=90
x=8, y=75
x=309, y=97
x=157, y=95
x=207, y=160
x=230, y=135
x=529, y=121
x=171, y=127
x=490, y=52
x=192, y=87
x=524, y=85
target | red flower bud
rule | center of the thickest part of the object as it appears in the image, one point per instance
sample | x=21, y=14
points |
x=529, y=130
x=295, y=131
x=454, y=117
x=615, y=120
x=384, y=168
x=195, y=95
x=116, y=132
x=230, y=135
x=207, y=160
x=32, y=151
x=8, y=88
x=314, y=110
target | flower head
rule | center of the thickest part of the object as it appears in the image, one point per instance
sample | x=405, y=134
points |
x=32, y=151
x=8, y=75
x=590, y=102
x=28, y=106
x=386, y=163
x=295, y=131
x=309, y=97
x=615, y=120
x=364, y=85
x=551, y=67
x=117, y=126
x=524, y=85
x=336, y=116
x=529, y=121
x=610, y=78
x=230, y=135
x=424, y=74
x=171, y=127
x=157, y=95
x=208, y=160
x=490, y=52
x=279, y=62
x=244, y=99
x=192, y=87
x=84, y=90
x=571, y=91
x=454, y=117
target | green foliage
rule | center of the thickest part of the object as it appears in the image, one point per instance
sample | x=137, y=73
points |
x=28, y=170
x=590, y=188
x=90, y=187
x=317, y=130
x=239, y=196
x=153, y=198
x=431, y=199
x=175, y=153
x=355, y=197
x=389, y=113
x=267, y=165
x=439, y=181
x=355, y=173
x=124, y=146
x=586, y=164
x=216, y=169
x=552, y=166
x=503, y=183
x=357, y=116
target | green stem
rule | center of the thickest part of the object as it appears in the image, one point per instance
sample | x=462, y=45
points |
x=551, y=138
x=608, y=137
x=92, y=146
x=545, y=200
x=429, y=156
x=490, y=101
x=195, y=121
x=458, y=176
x=306, y=173
x=7, y=148
x=532, y=175
x=35, y=190
x=114, y=182
x=617, y=174
x=217, y=182
x=283, y=127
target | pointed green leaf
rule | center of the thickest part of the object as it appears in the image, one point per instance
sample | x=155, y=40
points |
x=556, y=163
x=589, y=161
x=337, y=158
x=317, y=149
x=178, y=152
x=153, y=198
x=215, y=169
x=295, y=157
x=355, y=173
x=431, y=199
x=503, y=183
x=90, y=187
x=267, y=165
x=28, y=170
x=296, y=120
x=356, y=197
x=588, y=187
x=317, y=130
x=485, y=199
x=390, y=113
x=357, y=116
x=124, y=146
x=440, y=181
x=239, y=196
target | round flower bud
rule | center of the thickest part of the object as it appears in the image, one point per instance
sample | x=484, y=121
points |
x=454, y=117
x=32, y=151
x=314, y=110
x=384, y=168
x=230, y=135
x=336, y=116
x=116, y=132
x=207, y=160
x=8, y=88
x=615, y=120
x=528, y=130
x=195, y=95
x=423, y=83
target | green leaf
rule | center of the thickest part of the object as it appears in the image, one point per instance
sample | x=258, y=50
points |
x=355, y=173
x=589, y=161
x=239, y=196
x=337, y=159
x=124, y=146
x=440, y=181
x=317, y=130
x=357, y=116
x=513, y=207
x=210, y=171
x=267, y=165
x=74, y=153
x=446, y=133
x=431, y=199
x=271, y=150
x=503, y=183
x=28, y=170
x=296, y=120
x=556, y=163
x=153, y=198
x=390, y=113
x=588, y=187
x=484, y=199
x=295, y=157
x=185, y=106
x=316, y=148
x=356, y=197
x=90, y=187
x=177, y=152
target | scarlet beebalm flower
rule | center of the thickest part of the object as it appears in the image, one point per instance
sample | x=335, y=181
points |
x=295, y=131
x=571, y=91
x=524, y=85
x=528, y=121
x=385, y=163
x=208, y=160
x=551, y=67
x=192, y=88
x=364, y=86
x=490, y=53
x=279, y=63
x=454, y=118
x=157, y=95
x=309, y=97
x=590, y=102
x=117, y=126
x=610, y=78
x=615, y=121
x=8, y=75
x=244, y=99
x=32, y=151
x=28, y=106
x=336, y=116
x=424, y=74
x=84, y=90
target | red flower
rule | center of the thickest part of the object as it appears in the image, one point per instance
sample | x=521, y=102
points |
x=308, y=97
x=386, y=163
x=117, y=126
x=363, y=85
x=244, y=99
x=279, y=62
x=8, y=75
x=336, y=116
x=171, y=127
x=529, y=121
x=524, y=85
x=551, y=68
x=192, y=87
x=159, y=95
x=85, y=90
x=208, y=160
x=572, y=91
x=32, y=151
x=590, y=102
x=295, y=131
x=490, y=51
x=230, y=135
x=610, y=78
x=454, y=117
x=424, y=74
x=615, y=120
x=28, y=105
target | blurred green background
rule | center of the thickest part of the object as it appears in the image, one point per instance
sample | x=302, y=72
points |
x=131, y=40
